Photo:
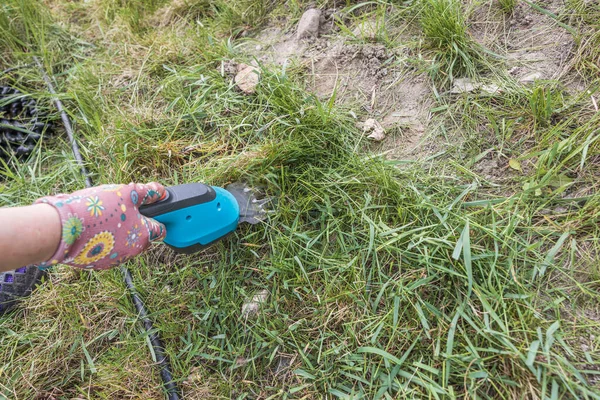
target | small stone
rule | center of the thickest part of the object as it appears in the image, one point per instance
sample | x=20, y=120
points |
x=247, y=78
x=585, y=347
x=530, y=78
x=490, y=89
x=464, y=85
x=375, y=130
x=309, y=24
x=251, y=308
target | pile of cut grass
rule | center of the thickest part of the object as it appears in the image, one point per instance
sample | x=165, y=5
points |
x=429, y=281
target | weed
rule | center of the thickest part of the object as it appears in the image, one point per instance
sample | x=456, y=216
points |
x=445, y=28
x=541, y=103
x=508, y=6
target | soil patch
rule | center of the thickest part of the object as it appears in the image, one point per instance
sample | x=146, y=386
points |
x=369, y=78
x=534, y=44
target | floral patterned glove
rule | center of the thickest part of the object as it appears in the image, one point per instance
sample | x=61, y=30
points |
x=102, y=226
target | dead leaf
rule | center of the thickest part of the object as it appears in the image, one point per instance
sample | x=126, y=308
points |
x=491, y=89
x=515, y=164
x=241, y=361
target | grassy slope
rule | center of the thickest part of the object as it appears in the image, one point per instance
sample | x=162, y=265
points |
x=430, y=281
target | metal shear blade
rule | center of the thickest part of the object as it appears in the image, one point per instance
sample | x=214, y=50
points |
x=252, y=208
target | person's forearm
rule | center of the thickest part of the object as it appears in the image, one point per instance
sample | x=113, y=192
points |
x=28, y=235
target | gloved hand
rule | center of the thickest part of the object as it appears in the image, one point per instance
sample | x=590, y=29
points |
x=102, y=226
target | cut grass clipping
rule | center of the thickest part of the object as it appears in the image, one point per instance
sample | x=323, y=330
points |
x=375, y=282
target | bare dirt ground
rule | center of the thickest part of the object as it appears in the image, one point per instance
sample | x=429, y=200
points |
x=533, y=44
x=380, y=80
x=369, y=77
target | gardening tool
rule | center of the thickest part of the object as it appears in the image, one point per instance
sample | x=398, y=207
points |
x=158, y=349
x=197, y=215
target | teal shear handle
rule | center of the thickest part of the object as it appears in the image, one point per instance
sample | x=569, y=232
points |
x=195, y=215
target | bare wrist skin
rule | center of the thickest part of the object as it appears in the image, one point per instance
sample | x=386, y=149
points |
x=28, y=235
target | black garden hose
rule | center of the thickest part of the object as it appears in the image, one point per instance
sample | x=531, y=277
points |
x=170, y=386
x=23, y=124
x=14, y=285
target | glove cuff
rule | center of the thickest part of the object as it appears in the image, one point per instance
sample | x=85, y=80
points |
x=71, y=226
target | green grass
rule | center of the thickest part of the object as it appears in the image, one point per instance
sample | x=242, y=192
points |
x=508, y=6
x=433, y=280
x=586, y=15
x=445, y=28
